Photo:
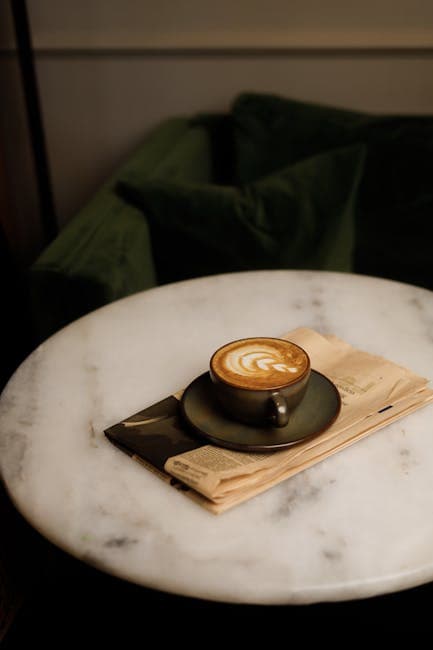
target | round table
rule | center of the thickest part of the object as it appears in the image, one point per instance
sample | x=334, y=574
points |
x=357, y=524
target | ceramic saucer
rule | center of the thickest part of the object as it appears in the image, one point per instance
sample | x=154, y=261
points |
x=317, y=411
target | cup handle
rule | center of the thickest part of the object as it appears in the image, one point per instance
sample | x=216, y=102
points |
x=278, y=410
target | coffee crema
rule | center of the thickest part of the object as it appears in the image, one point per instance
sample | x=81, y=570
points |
x=260, y=363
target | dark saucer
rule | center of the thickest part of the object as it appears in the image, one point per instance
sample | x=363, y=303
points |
x=317, y=411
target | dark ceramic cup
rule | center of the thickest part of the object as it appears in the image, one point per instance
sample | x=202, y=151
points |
x=261, y=380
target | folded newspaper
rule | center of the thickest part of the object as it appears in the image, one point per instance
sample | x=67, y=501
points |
x=374, y=393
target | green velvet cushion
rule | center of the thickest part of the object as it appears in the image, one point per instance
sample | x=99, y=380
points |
x=394, y=213
x=270, y=132
x=104, y=252
x=183, y=155
x=300, y=217
x=93, y=262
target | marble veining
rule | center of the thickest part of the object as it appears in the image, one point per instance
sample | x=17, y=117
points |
x=297, y=491
x=357, y=524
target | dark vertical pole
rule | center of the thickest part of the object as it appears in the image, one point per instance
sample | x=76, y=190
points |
x=27, y=65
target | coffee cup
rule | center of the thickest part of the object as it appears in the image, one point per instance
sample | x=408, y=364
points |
x=260, y=381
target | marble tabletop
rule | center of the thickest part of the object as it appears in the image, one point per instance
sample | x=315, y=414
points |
x=357, y=524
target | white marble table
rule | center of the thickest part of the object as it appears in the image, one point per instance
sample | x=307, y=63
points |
x=358, y=524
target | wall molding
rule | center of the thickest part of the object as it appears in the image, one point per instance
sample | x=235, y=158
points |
x=419, y=51
x=249, y=26
x=361, y=42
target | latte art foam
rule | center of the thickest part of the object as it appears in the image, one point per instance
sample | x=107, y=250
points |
x=260, y=363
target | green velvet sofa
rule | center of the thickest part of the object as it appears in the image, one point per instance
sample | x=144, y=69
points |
x=273, y=183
